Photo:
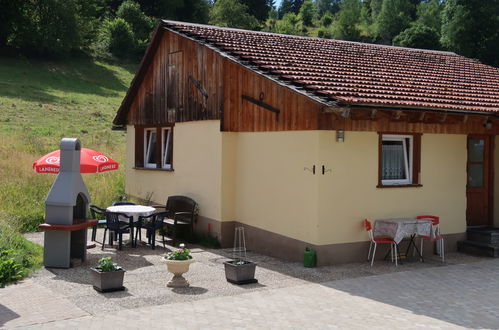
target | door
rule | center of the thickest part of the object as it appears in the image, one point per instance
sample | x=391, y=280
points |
x=479, y=187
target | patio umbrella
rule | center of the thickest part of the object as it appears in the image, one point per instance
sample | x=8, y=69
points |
x=91, y=161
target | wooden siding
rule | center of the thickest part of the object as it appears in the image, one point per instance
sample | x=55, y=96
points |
x=168, y=91
x=187, y=81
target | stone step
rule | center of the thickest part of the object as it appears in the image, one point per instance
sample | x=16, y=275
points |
x=478, y=248
x=486, y=235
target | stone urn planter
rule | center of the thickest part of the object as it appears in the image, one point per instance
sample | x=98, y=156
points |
x=240, y=271
x=178, y=268
x=178, y=263
x=108, y=276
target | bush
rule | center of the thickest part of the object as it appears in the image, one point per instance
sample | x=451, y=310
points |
x=10, y=269
x=141, y=24
x=121, y=39
x=18, y=256
x=418, y=36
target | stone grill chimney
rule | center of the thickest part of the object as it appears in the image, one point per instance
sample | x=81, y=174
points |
x=66, y=208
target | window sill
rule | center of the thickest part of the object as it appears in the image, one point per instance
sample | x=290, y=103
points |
x=153, y=169
x=399, y=186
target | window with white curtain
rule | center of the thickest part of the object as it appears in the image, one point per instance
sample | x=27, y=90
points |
x=397, y=159
x=166, y=148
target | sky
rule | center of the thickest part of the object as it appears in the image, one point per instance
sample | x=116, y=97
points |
x=277, y=3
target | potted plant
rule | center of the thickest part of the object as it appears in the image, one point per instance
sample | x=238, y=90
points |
x=239, y=271
x=107, y=276
x=178, y=263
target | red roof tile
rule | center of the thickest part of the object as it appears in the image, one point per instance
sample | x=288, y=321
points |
x=358, y=73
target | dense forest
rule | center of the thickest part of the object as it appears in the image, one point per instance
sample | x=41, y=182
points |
x=117, y=28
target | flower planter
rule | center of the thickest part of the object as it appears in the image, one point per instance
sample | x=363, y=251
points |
x=240, y=273
x=108, y=281
x=177, y=268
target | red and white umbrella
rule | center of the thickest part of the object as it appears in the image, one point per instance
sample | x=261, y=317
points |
x=91, y=161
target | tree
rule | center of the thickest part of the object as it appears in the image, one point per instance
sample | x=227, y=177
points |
x=290, y=24
x=232, y=13
x=327, y=6
x=307, y=12
x=196, y=11
x=471, y=28
x=290, y=6
x=141, y=25
x=10, y=13
x=121, y=39
x=47, y=28
x=258, y=8
x=394, y=17
x=347, y=19
x=418, y=36
x=429, y=13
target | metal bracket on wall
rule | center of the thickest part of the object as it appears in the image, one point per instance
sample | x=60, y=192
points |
x=311, y=170
x=262, y=104
x=324, y=170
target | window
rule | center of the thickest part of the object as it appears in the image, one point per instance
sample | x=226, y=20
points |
x=154, y=147
x=150, y=148
x=399, y=161
x=166, y=149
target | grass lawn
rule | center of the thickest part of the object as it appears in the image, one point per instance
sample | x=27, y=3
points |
x=41, y=102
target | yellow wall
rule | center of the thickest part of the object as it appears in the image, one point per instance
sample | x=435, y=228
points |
x=495, y=156
x=197, y=149
x=272, y=191
x=348, y=194
x=260, y=179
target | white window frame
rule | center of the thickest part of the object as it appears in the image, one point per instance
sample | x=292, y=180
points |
x=166, y=136
x=147, y=147
x=408, y=157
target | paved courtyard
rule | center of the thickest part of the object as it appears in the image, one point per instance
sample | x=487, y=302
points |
x=462, y=293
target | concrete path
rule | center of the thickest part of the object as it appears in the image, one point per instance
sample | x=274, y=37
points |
x=449, y=297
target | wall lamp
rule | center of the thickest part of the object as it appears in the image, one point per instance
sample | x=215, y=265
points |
x=340, y=135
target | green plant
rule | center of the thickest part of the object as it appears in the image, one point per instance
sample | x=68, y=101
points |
x=106, y=265
x=180, y=254
x=10, y=269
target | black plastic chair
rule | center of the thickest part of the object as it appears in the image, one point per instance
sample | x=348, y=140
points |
x=182, y=212
x=97, y=213
x=123, y=203
x=151, y=223
x=119, y=228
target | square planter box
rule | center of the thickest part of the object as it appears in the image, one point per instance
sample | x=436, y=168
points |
x=240, y=274
x=108, y=281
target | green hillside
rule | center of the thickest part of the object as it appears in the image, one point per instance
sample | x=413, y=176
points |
x=41, y=102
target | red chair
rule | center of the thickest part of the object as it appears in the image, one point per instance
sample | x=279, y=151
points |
x=379, y=240
x=436, y=229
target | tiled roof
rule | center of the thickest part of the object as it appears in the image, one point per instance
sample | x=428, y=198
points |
x=355, y=73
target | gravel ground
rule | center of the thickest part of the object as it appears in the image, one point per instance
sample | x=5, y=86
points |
x=146, y=276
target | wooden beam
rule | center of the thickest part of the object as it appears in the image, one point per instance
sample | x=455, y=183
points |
x=262, y=104
x=465, y=118
x=197, y=84
x=373, y=114
x=421, y=116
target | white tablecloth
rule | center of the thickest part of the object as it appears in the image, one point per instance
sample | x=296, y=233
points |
x=132, y=210
x=397, y=229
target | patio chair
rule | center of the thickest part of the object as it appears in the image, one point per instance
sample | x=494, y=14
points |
x=97, y=213
x=151, y=223
x=182, y=212
x=437, y=238
x=113, y=224
x=380, y=240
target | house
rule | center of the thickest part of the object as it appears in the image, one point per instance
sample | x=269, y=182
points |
x=299, y=139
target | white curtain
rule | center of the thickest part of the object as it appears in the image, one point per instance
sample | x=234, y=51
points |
x=393, y=160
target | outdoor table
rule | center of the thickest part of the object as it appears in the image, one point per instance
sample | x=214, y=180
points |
x=132, y=210
x=399, y=228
